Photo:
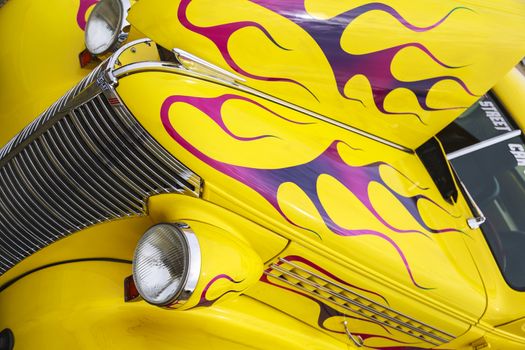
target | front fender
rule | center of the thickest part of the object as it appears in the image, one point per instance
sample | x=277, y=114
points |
x=81, y=306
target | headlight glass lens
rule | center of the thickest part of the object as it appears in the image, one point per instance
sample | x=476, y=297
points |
x=103, y=26
x=160, y=264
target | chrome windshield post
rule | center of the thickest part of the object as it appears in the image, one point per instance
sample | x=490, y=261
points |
x=476, y=221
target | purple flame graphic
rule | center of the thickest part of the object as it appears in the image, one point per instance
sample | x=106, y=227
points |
x=268, y=181
x=82, y=10
x=375, y=66
x=204, y=301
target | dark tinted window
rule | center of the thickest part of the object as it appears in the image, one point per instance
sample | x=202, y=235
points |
x=495, y=177
x=484, y=120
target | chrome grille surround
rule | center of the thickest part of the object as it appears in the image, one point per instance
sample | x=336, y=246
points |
x=85, y=160
x=349, y=301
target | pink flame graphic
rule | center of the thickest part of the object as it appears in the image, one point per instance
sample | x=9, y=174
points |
x=375, y=66
x=83, y=7
x=268, y=181
x=220, y=35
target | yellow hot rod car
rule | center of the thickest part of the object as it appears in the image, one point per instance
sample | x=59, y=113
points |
x=300, y=174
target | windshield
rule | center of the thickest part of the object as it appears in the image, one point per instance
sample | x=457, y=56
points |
x=488, y=153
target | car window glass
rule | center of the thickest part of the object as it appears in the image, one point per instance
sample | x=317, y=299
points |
x=484, y=120
x=495, y=177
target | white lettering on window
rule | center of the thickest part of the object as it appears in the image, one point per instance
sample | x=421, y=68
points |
x=492, y=113
x=518, y=151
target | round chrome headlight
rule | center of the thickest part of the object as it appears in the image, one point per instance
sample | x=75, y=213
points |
x=105, y=26
x=166, y=265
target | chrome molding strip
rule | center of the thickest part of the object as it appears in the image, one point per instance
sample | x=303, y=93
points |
x=354, y=302
x=84, y=161
x=194, y=265
x=229, y=80
x=483, y=144
x=183, y=57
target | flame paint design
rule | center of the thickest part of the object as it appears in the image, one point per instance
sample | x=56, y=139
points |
x=327, y=312
x=375, y=66
x=204, y=301
x=268, y=181
x=220, y=35
x=83, y=8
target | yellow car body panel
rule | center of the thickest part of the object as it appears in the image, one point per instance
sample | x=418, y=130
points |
x=286, y=182
x=83, y=308
x=118, y=239
x=398, y=69
x=39, y=57
x=409, y=223
x=504, y=301
x=511, y=92
x=39, y=60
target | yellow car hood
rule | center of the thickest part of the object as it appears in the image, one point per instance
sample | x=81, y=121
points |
x=373, y=210
x=399, y=69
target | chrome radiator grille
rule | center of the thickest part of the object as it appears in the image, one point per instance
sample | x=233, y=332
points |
x=90, y=163
x=348, y=301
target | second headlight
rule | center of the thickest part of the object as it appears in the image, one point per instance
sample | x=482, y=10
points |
x=166, y=265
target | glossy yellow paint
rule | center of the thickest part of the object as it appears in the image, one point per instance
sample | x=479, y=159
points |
x=70, y=314
x=206, y=146
x=296, y=302
x=510, y=90
x=83, y=308
x=239, y=267
x=38, y=59
x=517, y=327
x=231, y=259
x=118, y=239
x=454, y=51
x=172, y=208
x=504, y=340
x=379, y=236
x=505, y=303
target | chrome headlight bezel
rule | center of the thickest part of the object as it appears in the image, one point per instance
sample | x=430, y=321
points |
x=101, y=40
x=189, y=276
